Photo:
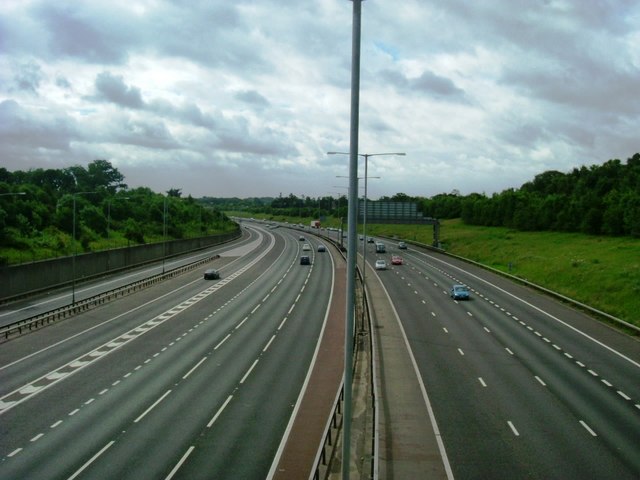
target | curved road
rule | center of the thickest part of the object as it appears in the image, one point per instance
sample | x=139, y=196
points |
x=187, y=379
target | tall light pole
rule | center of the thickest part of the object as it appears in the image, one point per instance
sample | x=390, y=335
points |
x=164, y=232
x=351, y=238
x=75, y=248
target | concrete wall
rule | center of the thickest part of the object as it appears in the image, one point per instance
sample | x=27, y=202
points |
x=17, y=280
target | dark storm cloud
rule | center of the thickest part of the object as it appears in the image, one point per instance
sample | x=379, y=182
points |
x=428, y=83
x=112, y=88
x=252, y=97
x=86, y=31
x=28, y=77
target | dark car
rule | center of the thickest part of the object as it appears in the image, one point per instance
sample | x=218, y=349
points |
x=211, y=274
x=322, y=248
x=305, y=260
x=460, y=292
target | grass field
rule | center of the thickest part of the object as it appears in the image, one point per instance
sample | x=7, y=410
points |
x=602, y=272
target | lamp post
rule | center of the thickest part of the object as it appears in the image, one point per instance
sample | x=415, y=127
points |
x=75, y=248
x=164, y=232
x=12, y=194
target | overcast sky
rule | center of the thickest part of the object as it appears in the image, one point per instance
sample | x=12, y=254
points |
x=244, y=98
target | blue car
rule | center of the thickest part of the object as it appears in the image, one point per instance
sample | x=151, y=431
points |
x=460, y=292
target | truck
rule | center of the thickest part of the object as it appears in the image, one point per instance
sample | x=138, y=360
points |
x=315, y=224
x=380, y=248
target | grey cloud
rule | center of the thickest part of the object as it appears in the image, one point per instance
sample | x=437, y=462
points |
x=608, y=91
x=253, y=98
x=428, y=83
x=148, y=134
x=62, y=82
x=113, y=89
x=28, y=77
x=86, y=31
x=22, y=129
x=188, y=112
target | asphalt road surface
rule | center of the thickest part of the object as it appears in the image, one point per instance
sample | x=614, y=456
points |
x=521, y=385
x=186, y=379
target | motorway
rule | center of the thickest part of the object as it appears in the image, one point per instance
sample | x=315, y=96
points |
x=521, y=386
x=186, y=379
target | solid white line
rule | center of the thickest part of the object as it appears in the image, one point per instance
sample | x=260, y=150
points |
x=513, y=429
x=250, y=370
x=152, y=406
x=91, y=460
x=222, y=341
x=220, y=410
x=285, y=437
x=196, y=366
x=425, y=396
x=179, y=464
x=588, y=428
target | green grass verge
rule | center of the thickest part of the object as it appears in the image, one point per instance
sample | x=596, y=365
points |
x=602, y=272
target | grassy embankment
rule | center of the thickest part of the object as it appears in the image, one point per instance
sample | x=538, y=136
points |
x=54, y=243
x=603, y=272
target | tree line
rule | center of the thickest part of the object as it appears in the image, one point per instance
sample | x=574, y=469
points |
x=599, y=200
x=37, y=210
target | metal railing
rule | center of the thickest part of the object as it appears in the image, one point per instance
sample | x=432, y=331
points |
x=30, y=324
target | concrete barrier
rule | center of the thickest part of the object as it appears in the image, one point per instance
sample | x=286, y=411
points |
x=29, y=278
